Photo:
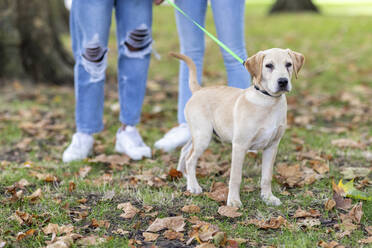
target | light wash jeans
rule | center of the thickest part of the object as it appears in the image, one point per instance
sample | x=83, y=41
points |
x=229, y=21
x=90, y=26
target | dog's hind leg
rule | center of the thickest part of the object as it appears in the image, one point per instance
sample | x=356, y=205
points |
x=184, y=154
x=201, y=139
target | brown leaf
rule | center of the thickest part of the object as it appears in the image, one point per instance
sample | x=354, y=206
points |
x=22, y=218
x=173, y=223
x=229, y=211
x=91, y=240
x=324, y=244
x=218, y=192
x=111, y=159
x=129, y=210
x=34, y=196
x=62, y=242
x=23, y=183
x=49, y=178
x=330, y=204
x=341, y=202
x=150, y=236
x=354, y=172
x=347, y=223
x=83, y=172
x=55, y=228
x=206, y=245
x=308, y=222
x=303, y=213
x=169, y=234
x=28, y=233
x=347, y=143
x=366, y=241
x=190, y=209
x=320, y=167
x=203, y=232
x=174, y=174
x=356, y=213
x=120, y=232
x=295, y=175
x=273, y=223
x=100, y=223
x=71, y=186
x=369, y=229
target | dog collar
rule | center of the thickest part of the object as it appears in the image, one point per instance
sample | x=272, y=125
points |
x=264, y=92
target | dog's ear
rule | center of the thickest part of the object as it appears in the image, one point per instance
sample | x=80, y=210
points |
x=298, y=61
x=254, y=65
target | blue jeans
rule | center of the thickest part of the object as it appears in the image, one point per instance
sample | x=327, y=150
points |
x=90, y=26
x=229, y=21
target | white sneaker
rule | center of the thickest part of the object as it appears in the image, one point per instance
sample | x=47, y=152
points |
x=79, y=149
x=177, y=136
x=129, y=141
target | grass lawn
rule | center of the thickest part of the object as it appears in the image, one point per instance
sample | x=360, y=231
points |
x=332, y=99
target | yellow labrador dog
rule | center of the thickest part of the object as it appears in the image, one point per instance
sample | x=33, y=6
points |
x=251, y=119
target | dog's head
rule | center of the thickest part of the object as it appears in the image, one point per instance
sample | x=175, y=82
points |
x=272, y=69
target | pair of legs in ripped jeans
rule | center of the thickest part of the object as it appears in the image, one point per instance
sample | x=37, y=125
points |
x=90, y=22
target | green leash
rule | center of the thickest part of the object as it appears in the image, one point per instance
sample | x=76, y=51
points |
x=206, y=32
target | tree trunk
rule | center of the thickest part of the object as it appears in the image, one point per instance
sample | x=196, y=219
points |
x=29, y=41
x=293, y=6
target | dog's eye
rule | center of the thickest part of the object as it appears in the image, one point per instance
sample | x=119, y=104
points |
x=270, y=66
x=288, y=64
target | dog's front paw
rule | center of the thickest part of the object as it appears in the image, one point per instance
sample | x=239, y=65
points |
x=234, y=203
x=194, y=189
x=270, y=199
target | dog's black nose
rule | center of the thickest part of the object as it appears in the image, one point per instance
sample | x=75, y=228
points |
x=282, y=82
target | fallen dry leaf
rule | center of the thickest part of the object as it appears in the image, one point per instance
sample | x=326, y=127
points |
x=324, y=244
x=150, y=236
x=174, y=174
x=218, y=192
x=308, y=222
x=83, y=172
x=34, y=196
x=205, y=245
x=100, y=223
x=356, y=213
x=320, y=167
x=49, y=178
x=366, y=240
x=296, y=175
x=229, y=211
x=169, y=234
x=347, y=143
x=303, y=213
x=111, y=159
x=368, y=229
x=91, y=240
x=330, y=204
x=273, y=223
x=28, y=233
x=55, y=228
x=129, y=210
x=341, y=202
x=354, y=172
x=190, y=209
x=202, y=232
x=71, y=186
x=22, y=218
x=176, y=223
x=120, y=232
x=62, y=242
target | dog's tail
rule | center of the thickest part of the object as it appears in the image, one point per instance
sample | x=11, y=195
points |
x=193, y=81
